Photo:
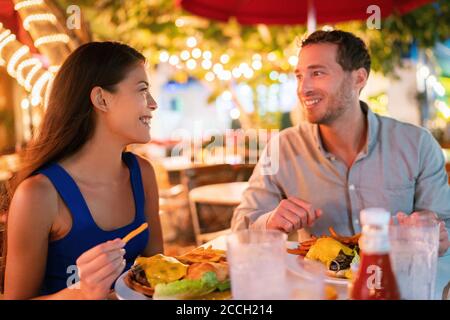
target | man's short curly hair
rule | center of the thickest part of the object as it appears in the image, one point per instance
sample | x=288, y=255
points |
x=352, y=52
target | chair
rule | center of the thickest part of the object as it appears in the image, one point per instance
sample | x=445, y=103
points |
x=212, y=208
x=173, y=205
x=209, y=220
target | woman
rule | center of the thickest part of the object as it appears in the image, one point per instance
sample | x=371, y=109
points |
x=79, y=193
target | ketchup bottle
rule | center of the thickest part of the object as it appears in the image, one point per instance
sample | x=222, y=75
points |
x=375, y=279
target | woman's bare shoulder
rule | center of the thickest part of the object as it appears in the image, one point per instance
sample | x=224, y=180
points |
x=35, y=194
x=147, y=172
x=145, y=165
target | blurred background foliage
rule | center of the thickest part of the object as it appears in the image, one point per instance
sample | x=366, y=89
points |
x=157, y=26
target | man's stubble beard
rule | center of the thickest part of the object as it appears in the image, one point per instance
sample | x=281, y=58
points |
x=337, y=104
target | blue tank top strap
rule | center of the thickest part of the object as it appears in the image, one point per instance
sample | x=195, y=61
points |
x=136, y=181
x=69, y=192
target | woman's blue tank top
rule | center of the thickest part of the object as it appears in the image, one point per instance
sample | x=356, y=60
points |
x=62, y=254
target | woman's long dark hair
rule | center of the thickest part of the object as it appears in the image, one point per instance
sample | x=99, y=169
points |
x=69, y=120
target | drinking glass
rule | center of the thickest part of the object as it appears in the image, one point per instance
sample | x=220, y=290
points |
x=257, y=264
x=307, y=282
x=414, y=254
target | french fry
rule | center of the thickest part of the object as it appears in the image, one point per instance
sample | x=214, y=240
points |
x=135, y=232
x=298, y=251
x=308, y=242
x=333, y=233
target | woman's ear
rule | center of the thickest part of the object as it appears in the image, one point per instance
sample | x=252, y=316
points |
x=98, y=99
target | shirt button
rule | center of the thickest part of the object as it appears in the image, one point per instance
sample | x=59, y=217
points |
x=333, y=158
x=351, y=187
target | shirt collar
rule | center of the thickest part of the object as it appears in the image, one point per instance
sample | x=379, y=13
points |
x=372, y=129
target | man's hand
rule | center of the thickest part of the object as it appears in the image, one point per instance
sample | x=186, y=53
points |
x=444, y=242
x=293, y=214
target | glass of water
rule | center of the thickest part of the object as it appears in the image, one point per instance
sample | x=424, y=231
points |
x=414, y=255
x=257, y=264
x=308, y=282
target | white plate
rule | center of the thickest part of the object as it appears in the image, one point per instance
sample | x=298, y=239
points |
x=293, y=265
x=123, y=292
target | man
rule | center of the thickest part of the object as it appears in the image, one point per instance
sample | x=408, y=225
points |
x=345, y=157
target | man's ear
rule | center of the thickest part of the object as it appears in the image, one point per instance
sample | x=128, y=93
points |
x=98, y=99
x=361, y=77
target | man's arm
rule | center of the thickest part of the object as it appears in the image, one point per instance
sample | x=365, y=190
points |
x=258, y=201
x=265, y=204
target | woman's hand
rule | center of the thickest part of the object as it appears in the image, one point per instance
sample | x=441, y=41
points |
x=99, y=267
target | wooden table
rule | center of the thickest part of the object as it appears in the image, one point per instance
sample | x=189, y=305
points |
x=222, y=193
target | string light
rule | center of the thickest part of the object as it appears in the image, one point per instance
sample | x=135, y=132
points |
x=206, y=64
x=243, y=67
x=226, y=95
x=273, y=75
x=236, y=73
x=48, y=17
x=191, y=64
x=235, y=113
x=35, y=100
x=218, y=68
x=224, y=58
x=248, y=73
x=256, y=56
x=209, y=76
x=28, y=3
x=23, y=50
x=185, y=55
x=283, y=78
x=196, y=53
x=54, y=69
x=179, y=22
x=174, y=60
x=256, y=64
x=4, y=34
x=4, y=43
x=25, y=63
x=191, y=42
x=39, y=85
x=164, y=56
x=272, y=56
x=225, y=75
x=59, y=37
x=207, y=55
x=293, y=60
x=443, y=108
x=25, y=103
x=31, y=75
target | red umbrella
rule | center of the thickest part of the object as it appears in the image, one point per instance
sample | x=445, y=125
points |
x=295, y=11
x=11, y=20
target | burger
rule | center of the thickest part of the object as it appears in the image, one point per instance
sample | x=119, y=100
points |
x=337, y=256
x=164, y=277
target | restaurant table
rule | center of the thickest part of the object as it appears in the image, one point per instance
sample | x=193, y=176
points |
x=212, y=208
x=220, y=193
x=442, y=279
